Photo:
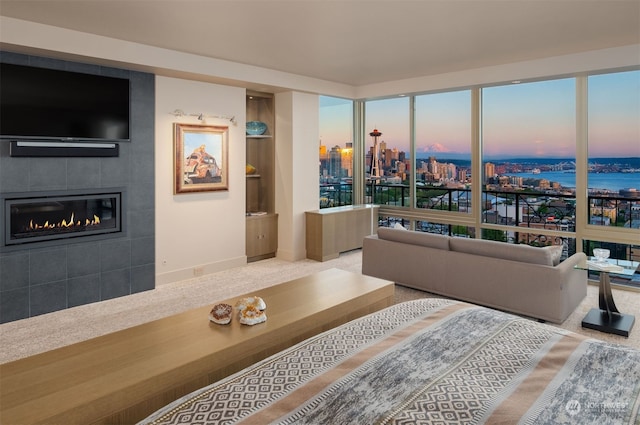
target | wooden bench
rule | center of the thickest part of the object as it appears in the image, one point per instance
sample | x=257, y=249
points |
x=122, y=377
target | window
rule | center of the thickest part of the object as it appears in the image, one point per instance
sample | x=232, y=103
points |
x=443, y=151
x=391, y=221
x=457, y=230
x=613, y=177
x=528, y=167
x=387, y=152
x=529, y=142
x=336, y=152
x=387, y=220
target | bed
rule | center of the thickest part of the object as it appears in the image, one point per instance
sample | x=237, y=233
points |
x=428, y=361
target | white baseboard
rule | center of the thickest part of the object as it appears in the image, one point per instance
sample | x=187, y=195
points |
x=200, y=270
x=288, y=255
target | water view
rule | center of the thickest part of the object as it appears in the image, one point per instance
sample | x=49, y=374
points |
x=603, y=181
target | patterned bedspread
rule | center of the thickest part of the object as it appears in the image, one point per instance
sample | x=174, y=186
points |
x=428, y=361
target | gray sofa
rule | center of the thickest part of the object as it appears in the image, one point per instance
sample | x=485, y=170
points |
x=522, y=279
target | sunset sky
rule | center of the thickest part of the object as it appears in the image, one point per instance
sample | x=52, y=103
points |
x=519, y=120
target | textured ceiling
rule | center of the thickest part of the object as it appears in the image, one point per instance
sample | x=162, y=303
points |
x=355, y=42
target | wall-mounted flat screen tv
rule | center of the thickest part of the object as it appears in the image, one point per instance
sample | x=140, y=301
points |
x=41, y=103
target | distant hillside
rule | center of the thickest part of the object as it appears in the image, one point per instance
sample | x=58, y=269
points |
x=630, y=162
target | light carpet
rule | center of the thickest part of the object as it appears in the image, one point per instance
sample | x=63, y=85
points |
x=27, y=337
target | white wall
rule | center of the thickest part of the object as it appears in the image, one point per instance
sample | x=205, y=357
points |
x=297, y=181
x=198, y=233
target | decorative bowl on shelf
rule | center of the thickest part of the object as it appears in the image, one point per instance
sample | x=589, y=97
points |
x=256, y=128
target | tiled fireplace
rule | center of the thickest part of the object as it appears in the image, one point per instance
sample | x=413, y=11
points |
x=52, y=217
x=78, y=230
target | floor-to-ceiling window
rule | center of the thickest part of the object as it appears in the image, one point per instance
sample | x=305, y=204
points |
x=613, y=173
x=388, y=152
x=614, y=149
x=528, y=159
x=336, y=152
x=443, y=159
x=534, y=156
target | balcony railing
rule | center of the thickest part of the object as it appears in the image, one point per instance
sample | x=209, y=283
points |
x=614, y=211
x=336, y=194
x=521, y=210
x=529, y=209
x=513, y=208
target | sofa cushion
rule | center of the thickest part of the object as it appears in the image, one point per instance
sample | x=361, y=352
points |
x=429, y=240
x=520, y=252
x=556, y=253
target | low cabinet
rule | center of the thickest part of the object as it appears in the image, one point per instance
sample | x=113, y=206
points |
x=262, y=236
x=331, y=231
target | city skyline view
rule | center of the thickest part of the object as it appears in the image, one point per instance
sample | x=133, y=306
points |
x=529, y=159
x=532, y=120
x=604, y=174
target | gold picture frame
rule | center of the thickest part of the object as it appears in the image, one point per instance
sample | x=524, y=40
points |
x=201, y=158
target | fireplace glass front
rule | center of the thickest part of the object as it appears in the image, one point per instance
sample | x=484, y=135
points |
x=51, y=217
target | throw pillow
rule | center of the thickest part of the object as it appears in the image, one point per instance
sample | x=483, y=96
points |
x=555, y=253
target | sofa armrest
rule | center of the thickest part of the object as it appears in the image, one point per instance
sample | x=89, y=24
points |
x=571, y=262
x=574, y=284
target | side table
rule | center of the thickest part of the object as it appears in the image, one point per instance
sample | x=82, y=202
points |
x=607, y=318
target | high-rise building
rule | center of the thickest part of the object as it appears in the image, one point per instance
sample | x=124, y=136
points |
x=489, y=171
x=451, y=171
x=324, y=159
x=347, y=159
x=402, y=169
x=335, y=162
x=433, y=165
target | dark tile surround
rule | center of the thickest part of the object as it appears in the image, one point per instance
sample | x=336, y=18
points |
x=35, y=281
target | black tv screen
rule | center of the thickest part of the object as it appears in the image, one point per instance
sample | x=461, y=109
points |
x=40, y=103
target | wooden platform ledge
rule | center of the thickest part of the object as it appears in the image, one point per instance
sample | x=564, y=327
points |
x=122, y=377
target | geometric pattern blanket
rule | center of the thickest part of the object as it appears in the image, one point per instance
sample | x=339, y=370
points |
x=428, y=361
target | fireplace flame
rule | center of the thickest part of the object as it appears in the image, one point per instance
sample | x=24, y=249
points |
x=64, y=223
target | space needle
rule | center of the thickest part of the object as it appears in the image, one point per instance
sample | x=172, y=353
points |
x=375, y=158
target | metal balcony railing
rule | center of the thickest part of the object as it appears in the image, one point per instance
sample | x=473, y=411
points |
x=519, y=209
x=541, y=209
x=618, y=211
x=529, y=209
